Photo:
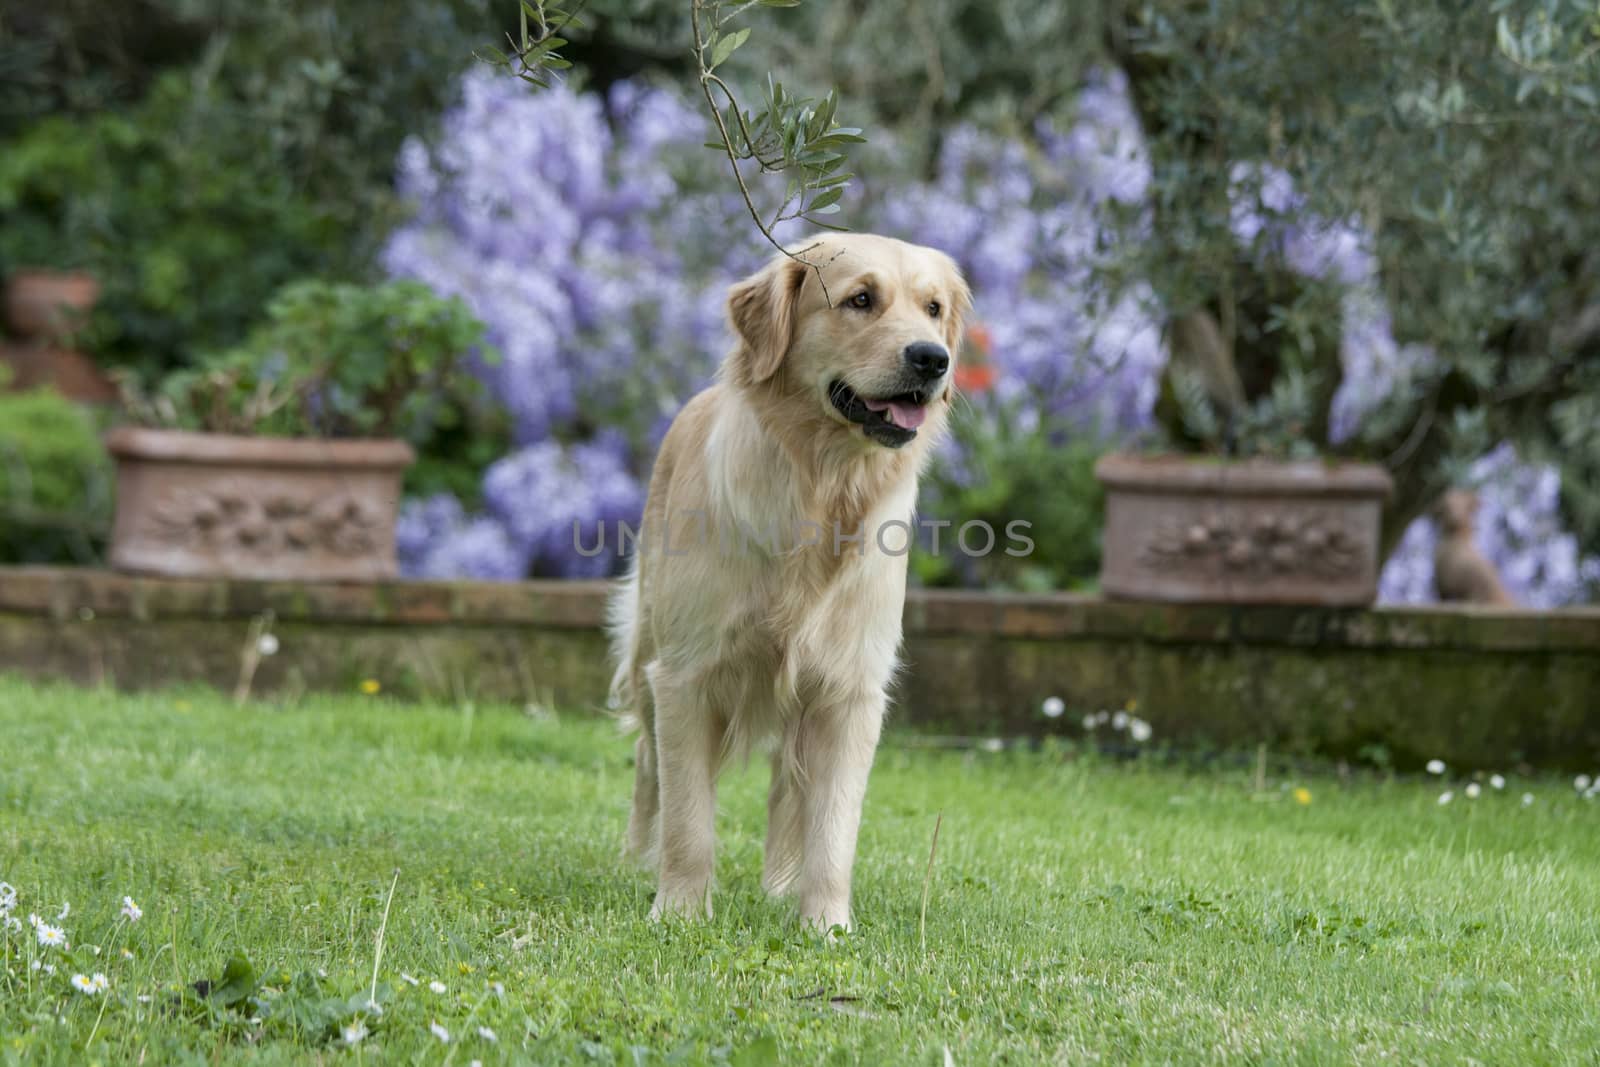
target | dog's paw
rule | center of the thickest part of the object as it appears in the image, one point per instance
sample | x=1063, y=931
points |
x=827, y=921
x=681, y=904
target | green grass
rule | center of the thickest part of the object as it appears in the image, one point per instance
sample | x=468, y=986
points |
x=1077, y=910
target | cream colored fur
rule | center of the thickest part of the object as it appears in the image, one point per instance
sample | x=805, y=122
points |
x=788, y=648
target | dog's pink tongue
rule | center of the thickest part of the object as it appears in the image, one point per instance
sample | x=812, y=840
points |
x=904, y=415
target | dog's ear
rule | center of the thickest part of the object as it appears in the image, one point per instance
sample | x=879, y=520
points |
x=762, y=309
x=960, y=305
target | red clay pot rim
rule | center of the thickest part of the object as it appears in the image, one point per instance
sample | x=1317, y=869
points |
x=187, y=446
x=1269, y=477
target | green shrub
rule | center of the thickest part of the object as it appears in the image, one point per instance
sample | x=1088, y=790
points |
x=1000, y=470
x=55, y=481
x=343, y=360
x=197, y=157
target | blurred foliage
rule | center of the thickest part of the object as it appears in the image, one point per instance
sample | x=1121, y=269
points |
x=1460, y=138
x=197, y=154
x=1005, y=468
x=345, y=360
x=55, y=481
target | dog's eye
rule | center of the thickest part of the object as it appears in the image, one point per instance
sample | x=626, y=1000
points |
x=933, y=308
x=862, y=299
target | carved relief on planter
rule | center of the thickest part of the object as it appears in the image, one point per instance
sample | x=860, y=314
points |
x=208, y=505
x=229, y=516
x=1184, y=529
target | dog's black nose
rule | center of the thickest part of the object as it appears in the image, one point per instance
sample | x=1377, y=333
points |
x=927, y=359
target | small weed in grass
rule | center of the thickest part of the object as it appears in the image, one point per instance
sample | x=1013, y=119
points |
x=192, y=881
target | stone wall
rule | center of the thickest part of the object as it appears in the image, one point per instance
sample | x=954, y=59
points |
x=1476, y=687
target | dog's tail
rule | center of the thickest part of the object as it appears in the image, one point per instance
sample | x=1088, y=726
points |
x=628, y=699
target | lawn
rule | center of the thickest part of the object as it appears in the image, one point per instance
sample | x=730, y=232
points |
x=1078, y=909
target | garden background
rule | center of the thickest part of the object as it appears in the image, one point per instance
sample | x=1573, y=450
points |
x=1386, y=214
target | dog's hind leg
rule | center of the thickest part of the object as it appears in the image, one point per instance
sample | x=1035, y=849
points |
x=644, y=825
x=688, y=748
x=785, y=830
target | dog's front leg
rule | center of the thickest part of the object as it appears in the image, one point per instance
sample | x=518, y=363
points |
x=836, y=747
x=688, y=739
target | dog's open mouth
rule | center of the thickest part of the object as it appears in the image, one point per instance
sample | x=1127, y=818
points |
x=891, y=421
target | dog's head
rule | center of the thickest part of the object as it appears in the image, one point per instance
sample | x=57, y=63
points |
x=865, y=326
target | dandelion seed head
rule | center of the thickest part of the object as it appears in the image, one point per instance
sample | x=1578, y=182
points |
x=1119, y=721
x=1139, y=730
x=267, y=644
x=1497, y=781
x=497, y=988
x=1473, y=789
x=66, y=909
x=1527, y=798
x=488, y=1035
x=354, y=1032
x=437, y=986
x=1446, y=797
x=440, y=1032
x=1053, y=707
x=1436, y=766
x=1581, y=782
x=1090, y=722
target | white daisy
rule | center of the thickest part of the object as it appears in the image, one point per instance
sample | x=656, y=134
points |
x=1473, y=789
x=497, y=988
x=8, y=896
x=267, y=644
x=100, y=982
x=1497, y=781
x=437, y=986
x=1053, y=707
x=131, y=911
x=1446, y=797
x=66, y=909
x=488, y=1035
x=50, y=936
x=374, y=1007
x=1527, y=798
x=10, y=922
x=354, y=1032
x=1436, y=766
x=84, y=984
x=407, y=979
x=1139, y=730
x=1581, y=782
x=440, y=1032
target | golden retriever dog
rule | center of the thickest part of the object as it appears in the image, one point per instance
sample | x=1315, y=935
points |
x=763, y=606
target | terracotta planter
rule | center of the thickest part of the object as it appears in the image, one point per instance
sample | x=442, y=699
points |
x=1189, y=529
x=49, y=305
x=201, y=505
